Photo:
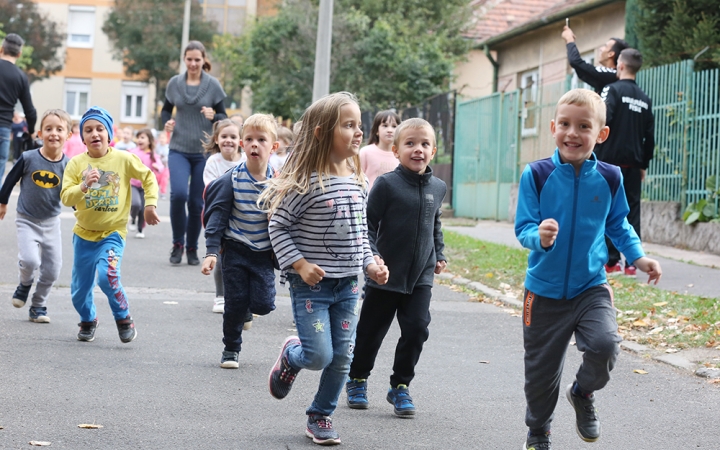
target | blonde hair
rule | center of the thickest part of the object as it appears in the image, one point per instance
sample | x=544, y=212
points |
x=286, y=135
x=60, y=114
x=587, y=99
x=311, y=153
x=261, y=122
x=210, y=142
x=412, y=124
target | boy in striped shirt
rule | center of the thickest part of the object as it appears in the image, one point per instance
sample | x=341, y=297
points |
x=237, y=231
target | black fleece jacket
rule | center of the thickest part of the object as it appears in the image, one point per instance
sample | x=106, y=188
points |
x=404, y=227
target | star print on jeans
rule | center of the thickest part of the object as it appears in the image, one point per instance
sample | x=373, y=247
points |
x=319, y=326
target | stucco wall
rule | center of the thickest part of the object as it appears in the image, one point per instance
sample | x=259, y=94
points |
x=473, y=78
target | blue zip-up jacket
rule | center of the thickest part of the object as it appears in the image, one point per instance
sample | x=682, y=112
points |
x=586, y=207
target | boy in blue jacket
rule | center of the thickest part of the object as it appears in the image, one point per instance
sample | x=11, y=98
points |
x=566, y=204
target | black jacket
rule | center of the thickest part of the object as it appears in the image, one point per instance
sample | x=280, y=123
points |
x=596, y=76
x=14, y=86
x=632, y=126
x=403, y=215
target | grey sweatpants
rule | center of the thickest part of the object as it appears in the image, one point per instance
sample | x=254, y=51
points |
x=39, y=248
x=548, y=325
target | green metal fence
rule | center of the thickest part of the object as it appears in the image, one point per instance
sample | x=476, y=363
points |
x=497, y=135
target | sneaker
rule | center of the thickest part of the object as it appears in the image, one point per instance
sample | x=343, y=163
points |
x=39, y=314
x=586, y=419
x=356, y=389
x=538, y=442
x=282, y=375
x=248, y=321
x=320, y=430
x=126, y=329
x=140, y=235
x=219, y=305
x=176, y=254
x=401, y=400
x=87, y=330
x=630, y=271
x=613, y=270
x=132, y=226
x=20, y=296
x=229, y=360
x=192, y=257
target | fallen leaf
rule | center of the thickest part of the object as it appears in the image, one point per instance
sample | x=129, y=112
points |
x=717, y=332
x=660, y=304
x=170, y=303
x=656, y=330
x=672, y=350
x=690, y=285
x=484, y=362
x=489, y=275
x=640, y=323
x=40, y=443
x=714, y=381
x=640, y=371
x=89, y=425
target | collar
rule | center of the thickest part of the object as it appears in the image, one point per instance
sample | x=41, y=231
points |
x=589, y=164
x=414, y=177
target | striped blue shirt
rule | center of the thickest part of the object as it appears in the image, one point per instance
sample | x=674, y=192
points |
x=248, y=224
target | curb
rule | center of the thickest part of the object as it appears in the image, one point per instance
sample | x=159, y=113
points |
x=673, y=360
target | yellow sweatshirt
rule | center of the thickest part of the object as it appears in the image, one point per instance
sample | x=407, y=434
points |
x=104, y=209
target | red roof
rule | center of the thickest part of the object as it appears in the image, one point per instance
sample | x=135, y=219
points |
x=495, y=17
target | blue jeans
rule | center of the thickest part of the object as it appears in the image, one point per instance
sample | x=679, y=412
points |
x=326, y=316
x=4, y=148
x=102, y=258
x=186, y=188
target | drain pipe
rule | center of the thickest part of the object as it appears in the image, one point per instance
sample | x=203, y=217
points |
x=495, y=65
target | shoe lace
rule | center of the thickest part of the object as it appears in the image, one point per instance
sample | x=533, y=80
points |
x=287, y=374
x=324, y=422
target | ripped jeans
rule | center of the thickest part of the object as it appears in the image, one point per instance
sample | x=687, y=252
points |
x=326, y=316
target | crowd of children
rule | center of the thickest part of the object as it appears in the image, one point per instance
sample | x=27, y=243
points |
x=302, y=203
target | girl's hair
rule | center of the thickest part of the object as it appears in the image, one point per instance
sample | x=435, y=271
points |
x=380, y=118
x=210, y=144
x=286, y=135
x=60, y=114
x=197, y=45
x=311, y=153
x=151, y=141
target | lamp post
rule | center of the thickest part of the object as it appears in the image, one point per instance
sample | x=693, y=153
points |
x=323, y=45
x=185, y=35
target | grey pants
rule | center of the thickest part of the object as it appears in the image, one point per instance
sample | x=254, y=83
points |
x=548, y=326
x=39, y=248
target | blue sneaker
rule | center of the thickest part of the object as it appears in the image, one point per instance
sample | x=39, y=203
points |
x=401, y=400
x=356, y=389
x=282, y=375
x=20, y=296
x=39, y=314
x=320, y=430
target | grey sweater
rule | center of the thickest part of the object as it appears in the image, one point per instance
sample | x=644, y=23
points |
x=190, y=124
x=404, y=227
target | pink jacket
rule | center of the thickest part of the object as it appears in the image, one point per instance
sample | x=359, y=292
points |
x=155, y=167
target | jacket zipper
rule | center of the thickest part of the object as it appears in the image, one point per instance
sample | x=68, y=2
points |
x=572, y=236
x=417, y=234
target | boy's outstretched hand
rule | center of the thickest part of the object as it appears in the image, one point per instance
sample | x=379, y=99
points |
x=548, y=230
x=379, y=273
x=650, y=267
x=3, y=211
x=151, y=217
x=208, y=265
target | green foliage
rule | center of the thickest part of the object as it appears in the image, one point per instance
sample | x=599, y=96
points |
x=673, y=30
x=146, y=35
x=704, y=210
x=389, y=54
x=40, y=56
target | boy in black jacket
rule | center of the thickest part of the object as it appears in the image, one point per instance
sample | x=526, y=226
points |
x=405, y=202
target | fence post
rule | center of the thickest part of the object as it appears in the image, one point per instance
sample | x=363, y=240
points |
x=498, y=153
x=687, y=97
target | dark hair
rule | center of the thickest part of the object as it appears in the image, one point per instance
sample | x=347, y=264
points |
x=618, y=46
x=197, y=45
x=632, y=59
x=380, y=118
x=151, y=141
x=12, y=45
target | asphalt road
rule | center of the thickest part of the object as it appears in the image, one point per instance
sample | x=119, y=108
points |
x=166, y=390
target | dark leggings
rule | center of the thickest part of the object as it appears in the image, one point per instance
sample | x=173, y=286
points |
x=137, y=209
x=186, y=190
x=632, y=182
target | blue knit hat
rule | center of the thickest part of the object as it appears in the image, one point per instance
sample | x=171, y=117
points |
x=102, y=116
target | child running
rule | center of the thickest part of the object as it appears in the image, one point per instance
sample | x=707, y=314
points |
x=566, y=204
x=236, y=230
x=319, y=233
x=162, y=149
x=97, y=184
x=145, y=151
x=377, y=157
x=225, y=154
x=126, y=142
x=412, y=189
x=285, y=140
x=40, y=174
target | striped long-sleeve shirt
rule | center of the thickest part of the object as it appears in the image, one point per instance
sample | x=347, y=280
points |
x=327, y=228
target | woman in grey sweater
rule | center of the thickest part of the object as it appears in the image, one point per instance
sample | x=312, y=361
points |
x=198, y=99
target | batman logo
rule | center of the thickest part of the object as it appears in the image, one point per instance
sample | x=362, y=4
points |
x=45, y=179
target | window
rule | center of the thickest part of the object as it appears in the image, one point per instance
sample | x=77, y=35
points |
x=529, y=88
x=81, y=26
x=576, y=82
x=77, y=96
x=134, y=102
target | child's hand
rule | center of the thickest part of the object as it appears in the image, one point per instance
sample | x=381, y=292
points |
x=378, y=260
x=151, y=217
x=170, y=126
x=3, y=211
x=650, y=267
x=379, y=273
x=440, y=266
x=311, y=274
x=208, y=112
x=92, y=177
x=208, y=265
x=548, y=230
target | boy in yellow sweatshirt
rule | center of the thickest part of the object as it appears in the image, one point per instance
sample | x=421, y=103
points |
x=97, y=185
